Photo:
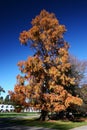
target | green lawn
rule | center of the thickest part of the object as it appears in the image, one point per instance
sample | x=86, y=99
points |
x=14, y=114
x=61, y=125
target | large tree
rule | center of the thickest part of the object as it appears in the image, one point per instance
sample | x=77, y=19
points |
x=46, y=73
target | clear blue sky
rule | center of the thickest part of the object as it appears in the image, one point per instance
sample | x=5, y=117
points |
x=16, y=15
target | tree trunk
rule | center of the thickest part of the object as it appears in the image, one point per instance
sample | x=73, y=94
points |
x=44, y=116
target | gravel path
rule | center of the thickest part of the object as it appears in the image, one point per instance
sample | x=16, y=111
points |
x=23, y=128
x=80, y=128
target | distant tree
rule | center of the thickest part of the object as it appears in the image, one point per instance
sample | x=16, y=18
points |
x=1, y=97
x=83, y=93
x=1, y=100
x=78, y=69
x=7, y=99
x=1, y=90
x=47, y=72
x=19, y=97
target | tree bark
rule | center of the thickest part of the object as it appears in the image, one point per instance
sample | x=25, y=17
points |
x=44, y=116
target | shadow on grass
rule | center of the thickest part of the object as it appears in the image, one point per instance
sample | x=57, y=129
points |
x=60, y=125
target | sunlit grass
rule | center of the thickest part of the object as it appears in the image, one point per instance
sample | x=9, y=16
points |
x=14, y=114
x=61, y=125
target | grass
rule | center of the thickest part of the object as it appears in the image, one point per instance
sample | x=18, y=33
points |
x=14, y=114
x=60, y=125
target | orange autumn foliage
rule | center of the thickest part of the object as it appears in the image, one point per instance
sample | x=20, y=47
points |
x=47, y=72
x=18, y=97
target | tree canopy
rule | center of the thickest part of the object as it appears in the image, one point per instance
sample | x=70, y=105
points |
x=46, y=73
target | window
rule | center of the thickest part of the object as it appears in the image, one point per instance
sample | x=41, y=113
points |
x=6, y=106
x=2, y=106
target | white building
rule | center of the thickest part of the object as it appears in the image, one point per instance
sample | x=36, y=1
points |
x=6, y=108
x=30, y=109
